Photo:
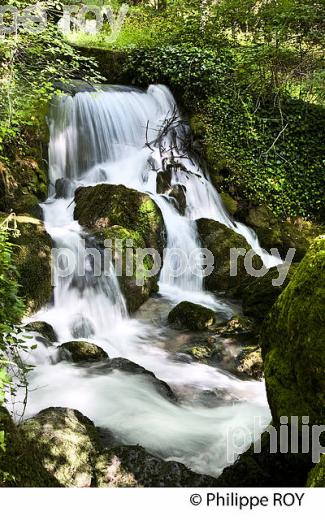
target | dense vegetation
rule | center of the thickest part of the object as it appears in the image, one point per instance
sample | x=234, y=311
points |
x=253, y=71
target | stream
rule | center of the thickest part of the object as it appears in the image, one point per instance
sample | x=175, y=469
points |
x=100, y=137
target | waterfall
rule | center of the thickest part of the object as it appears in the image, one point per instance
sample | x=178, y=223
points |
x=115, y=136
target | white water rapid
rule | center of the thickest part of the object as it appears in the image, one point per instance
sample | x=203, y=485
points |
x=100, y=137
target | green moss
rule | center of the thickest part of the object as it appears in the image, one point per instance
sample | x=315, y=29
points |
x=230, y=204
x=220, y=240
x=316, y=477
x=293, y=341
x=32, y=256
x=84, y=352
x=21, y=462
x=131, y=220
x=192, y=316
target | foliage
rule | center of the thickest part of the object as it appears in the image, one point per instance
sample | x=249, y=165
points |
x=11, y=310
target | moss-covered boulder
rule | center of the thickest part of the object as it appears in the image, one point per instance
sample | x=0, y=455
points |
x=133, y=466
x=293, y=340
x=259, y=294
x=45, y=330
x=23, y=178
x=192, y=316
x=106, y=205
x=83, y=352
x=67, y=445
x=134, y=277
x=220, y=240
x=316, y=477
x=130, y=221
x=282, y=235
x=20, y=463
x=32, y=256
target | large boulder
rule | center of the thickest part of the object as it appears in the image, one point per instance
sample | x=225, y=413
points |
x=282, y=235
x=32, y=257
x=83, y=352
x=67, y=445
x=20, y=464
x=192, y=316
x=133, y=466
x=130, y=221
x=220, y=240
x=293, y=339
x=104, y=206
x=259, y=294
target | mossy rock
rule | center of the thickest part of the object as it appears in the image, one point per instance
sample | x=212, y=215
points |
x=130, y=217
x=140, y=285
x=192, y=316
x=316, y=477
x=23, y=179
x=259, y=294
x=43, y=329
x=106, y=205
x=133, y=466
x=220, y=240
x=293, y=339
x=283, y=235
x=21, y=463
x=67, y=445
x=32, y=257
x=84, y=352
x=230, y=204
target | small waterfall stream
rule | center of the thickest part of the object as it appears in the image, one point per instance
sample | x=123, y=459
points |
x=100, y=137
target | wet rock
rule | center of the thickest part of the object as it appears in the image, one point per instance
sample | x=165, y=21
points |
x=43, y=329
x=250, y=362
x=67, y=445
x=178, y=192
x=133, y=466
x=293, y=338
x=83, y=352
x=126, y=366
x=82, y=328
x=192, y=316
x=32, y=257
x=220, y=240
x=282, y=235
x=164, y=181
x=64, y=188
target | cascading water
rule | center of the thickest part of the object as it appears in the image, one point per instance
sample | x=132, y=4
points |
x=115, y=137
